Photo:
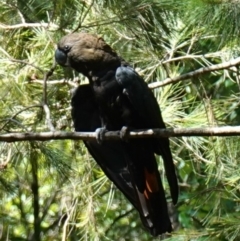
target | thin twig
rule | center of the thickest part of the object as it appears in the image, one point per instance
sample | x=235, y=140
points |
x=117, y=219
x=109, y=21
x=48, y=203
x=72, y=83
x=53, y=26
x=48, y=117
x=22, y=62
x=26, y=63
x=69, y=215
x=195, y=73
x=192, y=56
x=29, y=25
x=16, y=122
x=16, y=114
x=115, y=135
x=83, y=16
x=45, y=106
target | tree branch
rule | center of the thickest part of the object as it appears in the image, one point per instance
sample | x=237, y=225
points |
x=193, y=56
x=16, y=114
x=45, y=105
x=115, y=135
x=73, y=83
x=26, y=63
x=29, y=25
x=117, y=219
x=195, y=73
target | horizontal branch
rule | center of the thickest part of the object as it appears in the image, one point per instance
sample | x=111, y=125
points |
x=72, y=82
x=195, y=73
x=115, y=135
x=193, y=56
x=29, y=25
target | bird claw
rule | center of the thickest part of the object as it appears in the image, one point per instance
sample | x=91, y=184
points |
x=124, y=133
x=100, y=134
x=125, y=91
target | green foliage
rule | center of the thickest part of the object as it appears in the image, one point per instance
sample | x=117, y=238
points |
x=73, y=198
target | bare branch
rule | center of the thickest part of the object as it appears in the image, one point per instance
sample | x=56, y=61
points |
x=109, y=21
x=193, y=56
x=117, y=219
x=29, y=25
x=20, y=61
x=14, y=6
x=16, y=114
x=70, y=82
x=84, y=15
x=48, y=117
x=45, y=106
x=203, y=70
x=26, y=63
x=115, y=135
x=70, y=211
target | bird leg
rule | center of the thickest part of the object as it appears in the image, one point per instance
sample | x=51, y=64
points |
x=100, y=132
x=124, y=133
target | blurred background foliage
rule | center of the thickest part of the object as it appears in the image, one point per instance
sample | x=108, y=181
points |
x=54, y=190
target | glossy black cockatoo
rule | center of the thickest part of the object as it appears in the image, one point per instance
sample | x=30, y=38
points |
x=121, y=99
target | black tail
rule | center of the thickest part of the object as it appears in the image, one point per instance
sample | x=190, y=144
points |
x=149, y=190
x=170, y=171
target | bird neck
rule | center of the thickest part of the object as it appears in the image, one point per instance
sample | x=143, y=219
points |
x=103, y=74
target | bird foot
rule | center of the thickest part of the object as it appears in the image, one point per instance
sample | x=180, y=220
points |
x=100, y=134
x=125, y=92
x=124, y=133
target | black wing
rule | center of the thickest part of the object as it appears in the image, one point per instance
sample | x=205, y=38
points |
x=109, y=155
x=147, y=108
x=130, y=166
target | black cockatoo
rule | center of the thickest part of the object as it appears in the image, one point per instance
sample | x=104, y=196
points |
x=123, y=99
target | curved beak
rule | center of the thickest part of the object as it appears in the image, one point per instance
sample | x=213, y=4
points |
x=61, y=57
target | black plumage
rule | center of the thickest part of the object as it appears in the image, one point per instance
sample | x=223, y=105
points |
x=110, y=156
x=121, y=99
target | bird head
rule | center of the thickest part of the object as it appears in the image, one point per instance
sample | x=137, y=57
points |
x=86, y=53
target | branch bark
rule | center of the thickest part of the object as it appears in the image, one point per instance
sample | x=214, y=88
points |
x=29, y=25
x=115, y=135
x=45, y=105
x=73, y=83
x=203, y=70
